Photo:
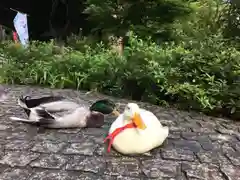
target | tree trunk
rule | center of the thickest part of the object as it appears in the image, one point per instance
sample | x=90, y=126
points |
x=120, y=45
x=2, y=33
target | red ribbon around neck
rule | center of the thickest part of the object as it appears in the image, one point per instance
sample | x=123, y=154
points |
x=116, y=132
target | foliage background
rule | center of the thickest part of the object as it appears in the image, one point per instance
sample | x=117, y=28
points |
x=178, y=52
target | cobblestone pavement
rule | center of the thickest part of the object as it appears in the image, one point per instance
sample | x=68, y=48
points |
x=198, y=147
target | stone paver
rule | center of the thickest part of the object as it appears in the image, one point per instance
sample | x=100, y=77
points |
x=198, y=147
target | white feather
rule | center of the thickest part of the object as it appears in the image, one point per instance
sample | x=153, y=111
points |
x=22, y=104
x=20, y=119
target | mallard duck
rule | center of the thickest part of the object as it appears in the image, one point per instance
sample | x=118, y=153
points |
x=59, y=112
x=136, y=131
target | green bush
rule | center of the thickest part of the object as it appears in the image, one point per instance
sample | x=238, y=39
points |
x=192, y=75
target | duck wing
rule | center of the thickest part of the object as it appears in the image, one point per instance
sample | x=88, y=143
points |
x=49, y=103
x=149, y=118
x=29, y=102
x=64, y=119
x=43, y=114
x=39, y=116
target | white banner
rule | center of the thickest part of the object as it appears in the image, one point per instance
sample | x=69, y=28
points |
x=20, y=24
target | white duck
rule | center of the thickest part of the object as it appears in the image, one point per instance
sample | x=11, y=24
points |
x=136, y=131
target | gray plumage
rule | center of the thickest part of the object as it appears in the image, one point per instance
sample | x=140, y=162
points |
x=58, y=112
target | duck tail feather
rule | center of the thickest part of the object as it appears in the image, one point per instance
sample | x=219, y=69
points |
x=22, y=102
x=21, y=119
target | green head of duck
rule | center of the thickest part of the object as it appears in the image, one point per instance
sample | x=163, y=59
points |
x=104, y=106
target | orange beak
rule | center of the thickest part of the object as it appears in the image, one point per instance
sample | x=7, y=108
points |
x=115, y=112
x=138, y=121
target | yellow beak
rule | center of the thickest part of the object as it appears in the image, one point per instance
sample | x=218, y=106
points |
x=115, y=112
x=139, y=122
